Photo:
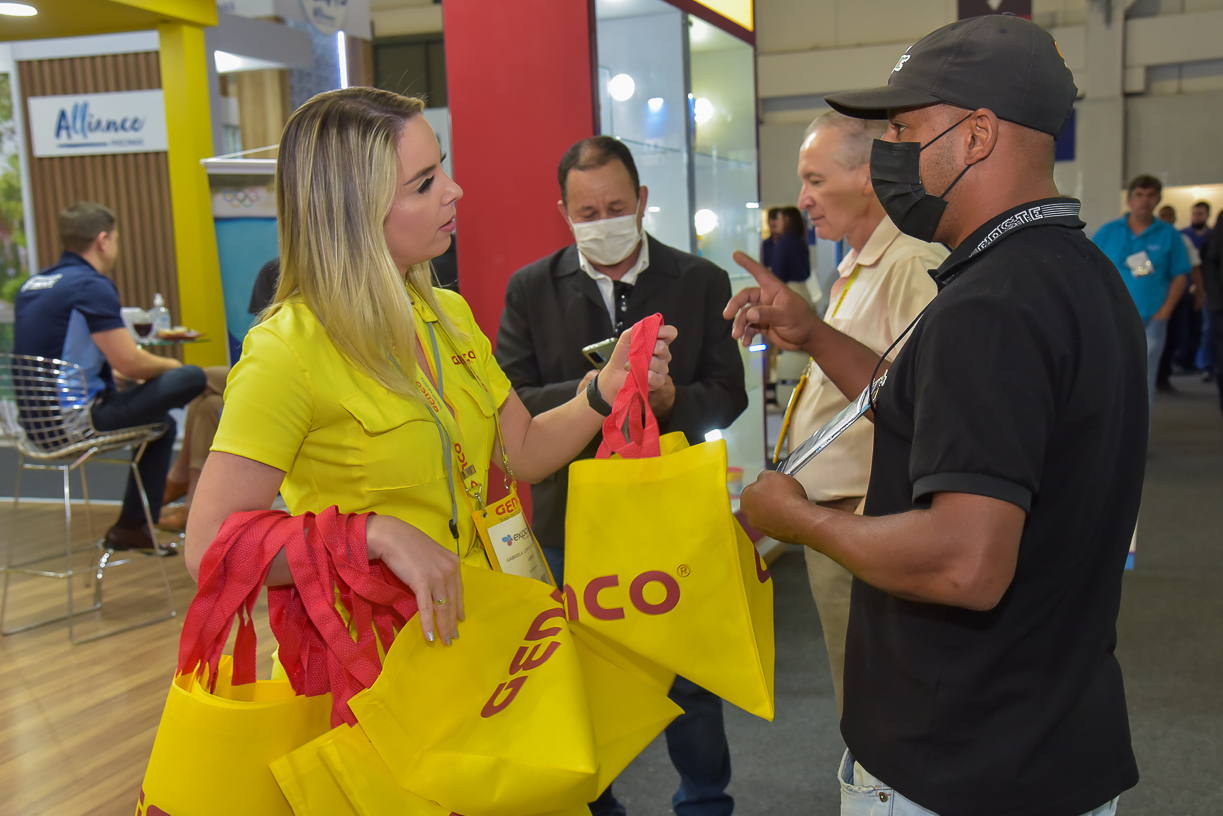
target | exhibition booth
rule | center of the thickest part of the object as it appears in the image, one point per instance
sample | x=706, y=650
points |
x=193, y=189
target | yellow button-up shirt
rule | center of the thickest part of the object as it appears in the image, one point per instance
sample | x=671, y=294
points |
x=891, y=287
x=295, y=403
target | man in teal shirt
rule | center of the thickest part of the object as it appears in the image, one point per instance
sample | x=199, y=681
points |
x=1153, y=262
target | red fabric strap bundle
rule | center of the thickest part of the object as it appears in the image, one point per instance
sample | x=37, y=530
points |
x=632, y=430
x=328, y=560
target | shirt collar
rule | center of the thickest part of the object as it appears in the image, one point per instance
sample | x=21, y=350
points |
x=422, y=309
x=1058, y=212
x=1156, y=224
x=70, y=257
x=629, y=277
x=881, y=238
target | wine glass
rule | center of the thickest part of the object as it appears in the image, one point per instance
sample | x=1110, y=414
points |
x=142, y=323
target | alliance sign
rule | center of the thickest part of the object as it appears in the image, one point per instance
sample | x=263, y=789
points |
x=94, y=124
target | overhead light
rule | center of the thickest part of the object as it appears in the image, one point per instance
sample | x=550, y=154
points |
x=703, y=111
x=706, y=221
x=654, y=209
x=228, y=63
x=753, y=205
x=17, y=10
x=698, y=30
x=713, y=436
x=341, y=50
x=621, y=87
x=655, y=104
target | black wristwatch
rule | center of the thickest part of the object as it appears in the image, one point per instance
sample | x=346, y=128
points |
x=596, y=399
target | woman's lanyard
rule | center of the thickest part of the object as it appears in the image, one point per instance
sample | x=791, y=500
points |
x=448, y=442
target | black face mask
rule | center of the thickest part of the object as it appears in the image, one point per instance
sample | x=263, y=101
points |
x=896, y=177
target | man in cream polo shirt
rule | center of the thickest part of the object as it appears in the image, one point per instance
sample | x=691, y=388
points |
x=884, y=283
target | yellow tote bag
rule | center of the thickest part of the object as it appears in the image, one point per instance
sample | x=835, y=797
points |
x=340, y=774
x=629, y=706
x=212, y=751
x=503, y=723
x=654, y=559
x=497, y=724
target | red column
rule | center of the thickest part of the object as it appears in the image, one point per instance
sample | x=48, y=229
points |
x=518, y=76
x=520, y=88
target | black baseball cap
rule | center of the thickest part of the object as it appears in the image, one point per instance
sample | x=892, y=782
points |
x=1001, y=62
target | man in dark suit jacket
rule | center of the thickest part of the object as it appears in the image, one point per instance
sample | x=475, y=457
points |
x=612, y=277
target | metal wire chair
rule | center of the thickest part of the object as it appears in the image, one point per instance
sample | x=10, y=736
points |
x=44, y=413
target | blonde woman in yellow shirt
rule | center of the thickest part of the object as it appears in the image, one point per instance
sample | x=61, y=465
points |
x=363, y=387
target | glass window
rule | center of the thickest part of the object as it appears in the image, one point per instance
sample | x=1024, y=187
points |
x=681, y=93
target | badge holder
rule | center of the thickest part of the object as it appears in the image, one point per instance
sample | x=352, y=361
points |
x=507, y=537
x=1140, y=264
x=822, y=438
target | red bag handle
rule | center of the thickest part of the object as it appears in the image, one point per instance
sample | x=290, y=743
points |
x=632, y=430
x=231, y=577
x=327, y=554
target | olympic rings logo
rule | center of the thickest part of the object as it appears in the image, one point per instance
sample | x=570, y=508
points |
x=244, y=199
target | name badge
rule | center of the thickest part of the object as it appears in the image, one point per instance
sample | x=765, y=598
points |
x=509, y=542
x=1140, y=264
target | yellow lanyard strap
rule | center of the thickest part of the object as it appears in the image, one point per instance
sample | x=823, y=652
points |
x=802, y=381
x=853, y=277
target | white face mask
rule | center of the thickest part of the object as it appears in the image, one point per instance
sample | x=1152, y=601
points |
x=609, y=241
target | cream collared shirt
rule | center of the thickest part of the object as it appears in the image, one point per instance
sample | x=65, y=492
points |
x=607, y=285
x=892, y=286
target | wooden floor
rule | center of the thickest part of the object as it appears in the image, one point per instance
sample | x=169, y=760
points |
x=77, y=722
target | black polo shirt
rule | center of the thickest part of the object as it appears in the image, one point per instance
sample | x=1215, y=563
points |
x=1024, y=381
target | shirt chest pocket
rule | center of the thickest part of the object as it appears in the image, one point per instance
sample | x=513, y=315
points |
x=395, y=441
x=477, y=393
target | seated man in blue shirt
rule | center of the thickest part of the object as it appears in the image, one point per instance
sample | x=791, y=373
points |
x=1153, y=262
x=70, y=311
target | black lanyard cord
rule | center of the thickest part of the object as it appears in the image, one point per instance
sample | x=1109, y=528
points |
x=874, y=392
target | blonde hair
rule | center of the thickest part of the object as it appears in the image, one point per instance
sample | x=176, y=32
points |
x=335, y=183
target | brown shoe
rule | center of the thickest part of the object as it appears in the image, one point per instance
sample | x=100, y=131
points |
x=175, y=522
x=124, y=536
x=174, y=491
x=133, y=536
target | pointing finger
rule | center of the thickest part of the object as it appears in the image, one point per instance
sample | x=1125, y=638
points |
x=741, y=299
x=764, y=277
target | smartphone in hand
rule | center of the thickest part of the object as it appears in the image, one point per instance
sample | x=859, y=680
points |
x=599, y=353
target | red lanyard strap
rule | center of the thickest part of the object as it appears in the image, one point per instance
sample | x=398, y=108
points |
x=632, y=430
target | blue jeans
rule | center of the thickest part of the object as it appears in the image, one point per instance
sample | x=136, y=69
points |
x=696, y=742
x=149, y=404
x=864, y=795
x=1157, y=336
x=1205, y=358
x=1216, y=330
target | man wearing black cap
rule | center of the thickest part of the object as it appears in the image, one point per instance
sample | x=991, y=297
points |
x=1010, y=438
